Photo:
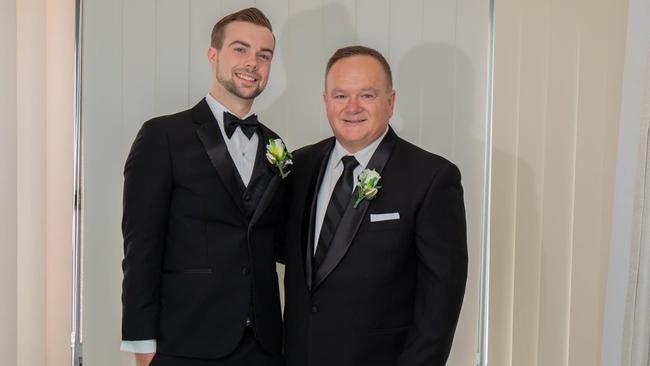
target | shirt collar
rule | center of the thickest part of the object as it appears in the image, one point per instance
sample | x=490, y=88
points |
x=218, y=109
x=363, y=156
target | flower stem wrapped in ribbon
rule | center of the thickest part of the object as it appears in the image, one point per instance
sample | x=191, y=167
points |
x=278, y=156
x=367, y=187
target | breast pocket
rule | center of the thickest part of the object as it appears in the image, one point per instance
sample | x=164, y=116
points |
x=384, y=221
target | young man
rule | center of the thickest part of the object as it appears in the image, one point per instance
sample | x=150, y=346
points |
x=201, y=206
x=374, y=276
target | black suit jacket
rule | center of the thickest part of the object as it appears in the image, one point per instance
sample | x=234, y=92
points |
x=199, y=247
x=387, y=292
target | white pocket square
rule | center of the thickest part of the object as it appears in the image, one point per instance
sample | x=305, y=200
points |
x=384, y=217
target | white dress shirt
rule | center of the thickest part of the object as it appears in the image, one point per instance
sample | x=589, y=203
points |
x=333, y=172
x=243, y=152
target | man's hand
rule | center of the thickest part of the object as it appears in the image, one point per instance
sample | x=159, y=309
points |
x=143, y=359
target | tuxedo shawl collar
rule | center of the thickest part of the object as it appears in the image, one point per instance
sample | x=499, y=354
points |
x=352, y=217
x=313, y=187
x=215, y=146
x=262, y=172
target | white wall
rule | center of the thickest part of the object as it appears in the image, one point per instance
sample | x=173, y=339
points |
x=147, y=58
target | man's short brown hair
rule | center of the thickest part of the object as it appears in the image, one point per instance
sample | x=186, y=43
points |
x=249, y=15
x=350, y=51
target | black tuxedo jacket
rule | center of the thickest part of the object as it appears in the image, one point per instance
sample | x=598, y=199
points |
x=387, y=292
x=199, y=247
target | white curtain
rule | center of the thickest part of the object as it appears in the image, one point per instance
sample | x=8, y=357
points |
x=637, y=322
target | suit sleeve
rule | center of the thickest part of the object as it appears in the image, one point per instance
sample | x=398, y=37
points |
x=279, y=246
x=284, y=224
x=441, y=246
x=147, y=191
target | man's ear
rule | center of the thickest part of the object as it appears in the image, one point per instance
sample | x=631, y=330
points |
x=391, y=100
x=213, y=54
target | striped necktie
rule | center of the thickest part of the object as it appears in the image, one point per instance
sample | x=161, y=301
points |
x=338, y=202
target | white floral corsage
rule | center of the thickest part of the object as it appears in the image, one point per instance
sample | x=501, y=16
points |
x=367, y=187
x=278, y=156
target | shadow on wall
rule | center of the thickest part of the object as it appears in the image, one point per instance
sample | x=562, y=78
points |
x=435, y=85
x=435, y=100
x=297, y=112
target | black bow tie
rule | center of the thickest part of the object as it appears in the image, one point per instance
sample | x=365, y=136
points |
x=248, y=125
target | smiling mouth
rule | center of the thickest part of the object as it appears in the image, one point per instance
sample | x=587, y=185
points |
x=245, y=77
x=354, y=120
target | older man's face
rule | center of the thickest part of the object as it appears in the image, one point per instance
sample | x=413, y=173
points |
x=359, y=101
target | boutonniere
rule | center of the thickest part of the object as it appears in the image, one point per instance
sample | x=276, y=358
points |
x=278, y=156
x=367, y=187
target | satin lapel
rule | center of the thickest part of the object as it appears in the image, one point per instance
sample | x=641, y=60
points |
x=312, y=190
x=212, y=140
x=263, y=167
x=352, y=218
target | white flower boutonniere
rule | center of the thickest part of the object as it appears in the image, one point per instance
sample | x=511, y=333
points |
x=367, y=187
x=278, y=156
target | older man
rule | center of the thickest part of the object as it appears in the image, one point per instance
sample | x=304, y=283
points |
x=376, y=246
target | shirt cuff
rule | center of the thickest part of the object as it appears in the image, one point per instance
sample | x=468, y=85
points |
x=146, y=346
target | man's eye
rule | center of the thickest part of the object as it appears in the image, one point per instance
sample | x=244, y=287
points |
x=367, y=96
x=339, y=96
x=265, y=57
x=239, y=49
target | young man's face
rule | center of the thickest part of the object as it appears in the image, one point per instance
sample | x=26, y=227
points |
x=242, y=65
x=359, y=101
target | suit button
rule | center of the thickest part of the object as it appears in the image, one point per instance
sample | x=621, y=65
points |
x=247, y=197
x=245, y=271
x=314, y=309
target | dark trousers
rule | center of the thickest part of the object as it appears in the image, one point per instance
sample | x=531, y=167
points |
x=248, y=353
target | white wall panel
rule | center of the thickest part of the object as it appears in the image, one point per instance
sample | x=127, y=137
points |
x=102, y=113
x=435, y=74
x=203, y=15
x=406, y=22
x=273, y=104
x=340, y=26
x=372, y=24
x=138, y=66
x=304, y=65
x=172, y=56
x=231, y=6
x=467, y=135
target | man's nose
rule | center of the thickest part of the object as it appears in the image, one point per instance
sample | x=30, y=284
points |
x=353, y=105
x=251, y=61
